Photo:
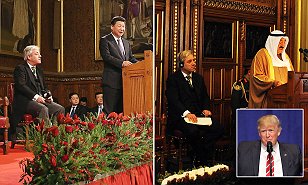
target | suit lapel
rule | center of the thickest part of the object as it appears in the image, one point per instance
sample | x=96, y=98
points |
x=126, y=48
x=115, y=44
x=284, y=159
x=40, y=77
x=31, y=75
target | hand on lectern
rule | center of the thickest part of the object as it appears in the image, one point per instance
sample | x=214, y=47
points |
x=277, y=83
x=126, y=63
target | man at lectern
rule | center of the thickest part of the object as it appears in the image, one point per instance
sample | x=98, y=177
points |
x=269, y=69
x=117, y=54
x=188, y=98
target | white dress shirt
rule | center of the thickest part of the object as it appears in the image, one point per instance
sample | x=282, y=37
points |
x=277, y=161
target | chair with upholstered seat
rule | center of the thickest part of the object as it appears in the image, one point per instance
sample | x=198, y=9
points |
x=4, y=123
x=24, y=123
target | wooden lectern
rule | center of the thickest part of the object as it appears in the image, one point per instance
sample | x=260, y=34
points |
x=138, y=86
x=293, y=94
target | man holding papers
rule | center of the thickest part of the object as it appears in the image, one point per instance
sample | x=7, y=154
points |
x=187, y=98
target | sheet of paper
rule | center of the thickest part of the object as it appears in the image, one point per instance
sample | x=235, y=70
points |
x=201, y=121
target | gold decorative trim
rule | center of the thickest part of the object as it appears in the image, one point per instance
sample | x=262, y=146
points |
x=195, y=29
x=175, y=36
x=284, y=16
x=240, y=6
x=162, y=37
x=243, y=31
x=38, y=23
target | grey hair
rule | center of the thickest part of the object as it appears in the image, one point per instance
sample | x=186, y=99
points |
x=28, y=51
x=183, y=55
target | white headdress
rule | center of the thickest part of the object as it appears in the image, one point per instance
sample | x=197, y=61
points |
x=272, y=45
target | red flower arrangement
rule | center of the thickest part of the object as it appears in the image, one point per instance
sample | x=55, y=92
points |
x=71, y=150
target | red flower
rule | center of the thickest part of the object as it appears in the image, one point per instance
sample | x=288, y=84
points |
x=137, y=134
x=68, y=128
x=95, y=145
x=118, y=122
x=53, y=161
x=136, y=144
x=112, y=115
x=68, y=120
x=91, y=126
x=103, y=151
x=127, y=132
x=64, y=158
x=60, y=118
x=76, y=128
x=40, y=127
x=64, y=143
x=120, y=116
x=75, y=142
x=54, y=131
x=125, y=118
x=44, y=148
x=101, y=116
x=104, y=122
x=76, y=120
x=111, y=122
x=83, y=123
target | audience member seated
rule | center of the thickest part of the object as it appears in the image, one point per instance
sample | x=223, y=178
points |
x=99, y=108
x=31, y=95
x=75, y=108
x=84, y=102
x=187, y=98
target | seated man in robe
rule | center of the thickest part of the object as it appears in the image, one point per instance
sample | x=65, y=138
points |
x=269, y=69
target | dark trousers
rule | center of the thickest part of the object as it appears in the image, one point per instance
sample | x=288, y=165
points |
x=113, y=99
x=201, y=138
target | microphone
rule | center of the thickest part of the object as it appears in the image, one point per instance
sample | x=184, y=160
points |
x=269, y=147
x=305, y=52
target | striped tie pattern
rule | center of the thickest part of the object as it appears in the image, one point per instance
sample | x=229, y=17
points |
x=268, y=165
x=188, y=78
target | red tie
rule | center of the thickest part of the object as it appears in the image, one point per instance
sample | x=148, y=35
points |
x=268, y=165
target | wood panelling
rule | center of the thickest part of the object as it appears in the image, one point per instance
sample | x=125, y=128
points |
x=219, y=80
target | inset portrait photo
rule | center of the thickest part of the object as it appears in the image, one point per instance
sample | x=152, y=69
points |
x=270, y=143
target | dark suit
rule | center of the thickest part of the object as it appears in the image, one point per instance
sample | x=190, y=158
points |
x=182, y=97
x=80, y=111
x=249, y=158
x=25, y=87
x=112, y=75
x=95, y=110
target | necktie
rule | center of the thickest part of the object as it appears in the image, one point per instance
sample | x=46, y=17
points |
x=34, y=71
x=72, y=111
x=99, y=110
x=188, y=78
x=121, y=47
x=269, y=164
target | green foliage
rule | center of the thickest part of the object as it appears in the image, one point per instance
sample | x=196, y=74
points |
x=70, y=151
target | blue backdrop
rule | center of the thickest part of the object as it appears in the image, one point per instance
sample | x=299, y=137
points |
x=291, y=122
